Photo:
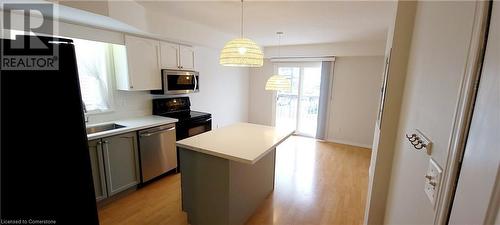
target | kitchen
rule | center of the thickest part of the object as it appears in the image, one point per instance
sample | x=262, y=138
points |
x=144, y=90
x=167, y=127
x=165, y=119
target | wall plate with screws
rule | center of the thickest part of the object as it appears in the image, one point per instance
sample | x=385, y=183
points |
x=432, y=181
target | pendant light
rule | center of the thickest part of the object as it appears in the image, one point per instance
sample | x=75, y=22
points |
x=278, y=82
x=241, y=51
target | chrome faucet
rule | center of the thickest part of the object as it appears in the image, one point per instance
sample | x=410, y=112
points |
x=85, y=112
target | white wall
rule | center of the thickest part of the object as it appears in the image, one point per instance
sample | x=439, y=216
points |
x=355, y=99
x=129, y=12
x=436, y=65
x=398, y=45
x=126, y=104
x=223, y=90
x=261, y=101
x=177, y=29
x=105, y=14
x=366, y=48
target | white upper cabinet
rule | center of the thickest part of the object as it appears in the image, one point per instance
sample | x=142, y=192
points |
x=140, y=69
x=138, y=64
x=186, y=57
x=176, y=57
x=169, y=55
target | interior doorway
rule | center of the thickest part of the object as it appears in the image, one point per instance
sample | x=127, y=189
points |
x=476, y=197
x=298, y=108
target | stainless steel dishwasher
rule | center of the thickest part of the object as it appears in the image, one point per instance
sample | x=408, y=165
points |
x=158, y=151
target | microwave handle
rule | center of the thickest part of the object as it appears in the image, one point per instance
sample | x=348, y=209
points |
x=195, y=83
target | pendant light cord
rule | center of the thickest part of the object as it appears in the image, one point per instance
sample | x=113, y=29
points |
x=279, y=45
x=279, y=33
x=241, y=25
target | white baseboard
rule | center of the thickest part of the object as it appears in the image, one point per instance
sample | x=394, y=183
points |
x=349, y=143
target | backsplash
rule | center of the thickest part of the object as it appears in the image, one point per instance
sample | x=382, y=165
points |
x=126, y=104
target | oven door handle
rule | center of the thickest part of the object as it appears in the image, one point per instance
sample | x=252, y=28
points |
x=200, y=121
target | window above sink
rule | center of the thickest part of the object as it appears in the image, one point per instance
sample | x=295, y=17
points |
x=94, y=71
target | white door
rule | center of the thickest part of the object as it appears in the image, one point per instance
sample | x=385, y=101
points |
x=298, y=109
x=478, y=190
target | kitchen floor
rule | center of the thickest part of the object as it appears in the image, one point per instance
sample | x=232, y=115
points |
x=316, y=183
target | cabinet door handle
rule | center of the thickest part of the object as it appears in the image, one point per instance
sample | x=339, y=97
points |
x=104, y=147
x=158, y=55
x=178, y=53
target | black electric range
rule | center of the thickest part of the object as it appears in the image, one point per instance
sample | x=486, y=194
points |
x=190, y=122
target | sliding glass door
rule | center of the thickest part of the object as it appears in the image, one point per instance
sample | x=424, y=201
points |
x=298, y=108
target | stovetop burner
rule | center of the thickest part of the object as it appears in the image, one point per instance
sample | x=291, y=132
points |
x=187, y=115
x=179, y=108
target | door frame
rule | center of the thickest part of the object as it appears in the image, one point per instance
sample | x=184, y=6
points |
x=463, y=112
x=301, y=66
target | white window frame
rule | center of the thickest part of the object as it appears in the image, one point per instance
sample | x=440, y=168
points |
x=300, y=64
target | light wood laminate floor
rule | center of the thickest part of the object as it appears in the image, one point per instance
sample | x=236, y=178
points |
x=316, y=183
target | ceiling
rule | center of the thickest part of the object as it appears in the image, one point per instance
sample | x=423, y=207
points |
x=303, y=22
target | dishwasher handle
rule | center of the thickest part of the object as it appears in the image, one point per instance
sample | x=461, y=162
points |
x=147, y=134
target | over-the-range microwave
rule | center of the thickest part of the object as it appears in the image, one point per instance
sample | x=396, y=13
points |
x=176, y=82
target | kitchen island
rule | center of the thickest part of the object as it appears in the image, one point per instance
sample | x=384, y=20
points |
x=227, y=173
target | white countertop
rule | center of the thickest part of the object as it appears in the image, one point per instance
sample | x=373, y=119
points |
x=131, y=124
x=241, y=142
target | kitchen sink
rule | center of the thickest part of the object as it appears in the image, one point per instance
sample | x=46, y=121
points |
x=103, y=127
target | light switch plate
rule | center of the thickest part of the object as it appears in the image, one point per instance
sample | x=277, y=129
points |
x=433, y=181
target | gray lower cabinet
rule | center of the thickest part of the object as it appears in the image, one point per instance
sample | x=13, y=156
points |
x=121, y=160
x=115, y=164
x=97, y=163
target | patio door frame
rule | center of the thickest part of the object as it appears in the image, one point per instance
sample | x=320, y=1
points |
x=301, y=66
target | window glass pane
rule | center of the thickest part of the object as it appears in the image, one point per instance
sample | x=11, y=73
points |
x=309, y=100
x=93, y=66
x=286, y=105
x=293, y=74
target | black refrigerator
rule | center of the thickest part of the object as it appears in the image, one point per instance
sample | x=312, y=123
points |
x=45, y=164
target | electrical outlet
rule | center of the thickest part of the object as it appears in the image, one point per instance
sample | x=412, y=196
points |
x=432, y=181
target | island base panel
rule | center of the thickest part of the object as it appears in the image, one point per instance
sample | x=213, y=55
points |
x=221, y=191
